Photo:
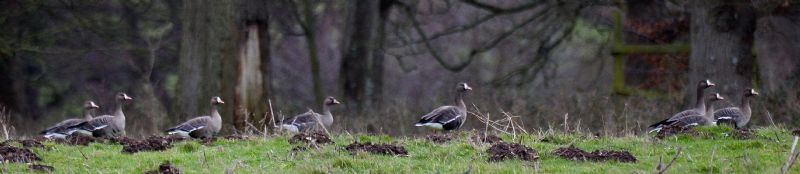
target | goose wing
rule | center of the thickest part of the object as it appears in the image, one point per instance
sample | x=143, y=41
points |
x=442, y=115
x=191, y=125
x=95, y=123
x=62, y=127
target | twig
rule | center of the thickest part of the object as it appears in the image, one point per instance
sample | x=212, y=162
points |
x=84, y=155
x=566, y=128
x=680, y=149
x=791, y=157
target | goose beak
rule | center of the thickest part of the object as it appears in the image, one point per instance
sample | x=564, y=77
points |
x=93, y=106
x=126, y=97
x=709, y=83
x=220, y=101
x=466, y=87
x=753, y=91
x=336, y=102
x=719, y=97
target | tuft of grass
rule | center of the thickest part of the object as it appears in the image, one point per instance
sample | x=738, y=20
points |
x=701, y=154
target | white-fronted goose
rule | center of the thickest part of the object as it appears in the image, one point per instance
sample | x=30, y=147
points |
x=737, y=116
x=697, y=120
x=203, y=126
x=106, y=125
x=448, y=117
x=60, y=130
x=699, y=109
x=308, y=120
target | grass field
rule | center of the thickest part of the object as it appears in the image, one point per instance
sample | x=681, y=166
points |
x=710, y=152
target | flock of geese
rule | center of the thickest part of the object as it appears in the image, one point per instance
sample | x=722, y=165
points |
x=447, y=118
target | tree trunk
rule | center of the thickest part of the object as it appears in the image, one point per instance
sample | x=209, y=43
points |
x=722, y=39
x=208, y=31
x=360, y=48
x=309, y=29
x=376, y=69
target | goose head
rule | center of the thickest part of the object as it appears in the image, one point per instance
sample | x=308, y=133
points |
x=463, y=87
x=716, y=97
x=750, y=92
x=706, y=84
x=89, y=105
x=216, y=100
x=123, y=97
x=330, y=101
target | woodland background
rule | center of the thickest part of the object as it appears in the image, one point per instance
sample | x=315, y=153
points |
x=610, y=66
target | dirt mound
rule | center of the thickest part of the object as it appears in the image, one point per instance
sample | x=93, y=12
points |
x=439, y=138
x=80, y=140
x=384, y=149
x=154, y=143
x=742, y=134
x=15, y=154
x=41, y=168
x=236, y=137
x=488, y=139
x=25, y=143
x=575, y=154
x=164, y=168
x=120, y=140
x=667, y=131
x=796, y=132
x=505, y=151
x=310, y=138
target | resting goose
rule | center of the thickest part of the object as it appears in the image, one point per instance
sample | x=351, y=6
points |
x=448, y=117
x=308, y=120
x=106, y=125
x=60, y=130
x=203, y=126
x=696, y=120
x=737, y=116
x=699, y=109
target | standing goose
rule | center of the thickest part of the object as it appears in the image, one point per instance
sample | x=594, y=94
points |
x=737, y=116
x=203, y=126
x=448, y=117
x=308, y=120
x=59, y=131
x=106, y=125
x=697, y=120
x=699, y=109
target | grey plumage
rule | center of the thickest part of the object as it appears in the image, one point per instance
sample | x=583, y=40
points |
x=61, y=130
x=203, y=126
x=699, y=109
x=310, y=119
x=106, y=125
x=448, y=117
x=738, y=116
x=701, y=119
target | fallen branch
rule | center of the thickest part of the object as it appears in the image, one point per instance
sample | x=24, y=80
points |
x=792, y=157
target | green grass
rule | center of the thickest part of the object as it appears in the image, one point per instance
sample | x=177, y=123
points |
x=764, y=153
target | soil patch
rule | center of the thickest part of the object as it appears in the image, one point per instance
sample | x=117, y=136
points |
x=41, y=168
x=154, y=143
x=15, y=154
x=383, y=149
x=439, y=138
x=310, y=138
x=25, y=143
x=667, y=131
x=235, y=137
x=575, y=154
x=742, y=134
x=488, y=139
x=164, y=168
x=79, y=140
x=505, y=151
x=120, y=140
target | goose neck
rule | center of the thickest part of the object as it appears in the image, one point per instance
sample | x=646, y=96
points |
x=460, y=100
x=118, y=111
x=87, y=114
x=700, y=105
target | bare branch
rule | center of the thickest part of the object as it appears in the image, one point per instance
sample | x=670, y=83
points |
x=499, y=10
x=452, y=67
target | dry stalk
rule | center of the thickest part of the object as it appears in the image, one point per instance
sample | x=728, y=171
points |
x=664, y=170
x=791, y=157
